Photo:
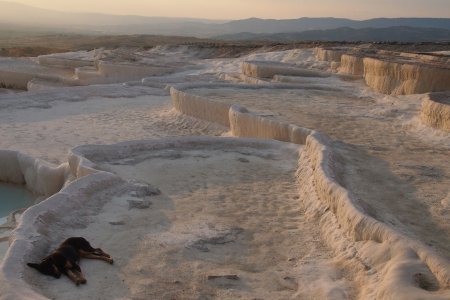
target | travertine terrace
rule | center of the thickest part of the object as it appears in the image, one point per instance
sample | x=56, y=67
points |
x=391, y=72
x=306, y=173
x=436, y=110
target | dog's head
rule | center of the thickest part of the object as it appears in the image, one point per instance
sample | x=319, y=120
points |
x=46, y=267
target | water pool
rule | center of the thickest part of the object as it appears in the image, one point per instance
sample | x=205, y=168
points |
x=13, y=197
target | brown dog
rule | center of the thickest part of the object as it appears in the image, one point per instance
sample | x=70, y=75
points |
x=65, y=259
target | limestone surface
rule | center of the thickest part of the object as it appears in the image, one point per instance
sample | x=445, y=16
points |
x=350, y=202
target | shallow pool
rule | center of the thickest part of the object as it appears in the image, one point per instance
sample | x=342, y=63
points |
x=13, y=197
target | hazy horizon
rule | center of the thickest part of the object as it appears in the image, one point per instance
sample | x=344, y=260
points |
x=236, y=9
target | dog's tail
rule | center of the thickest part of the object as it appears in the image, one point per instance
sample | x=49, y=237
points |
x=33, y=265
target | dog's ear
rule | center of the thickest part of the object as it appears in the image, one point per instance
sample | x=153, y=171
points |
x=34, y=266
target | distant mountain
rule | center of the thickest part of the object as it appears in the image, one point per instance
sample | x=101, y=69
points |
x=36, y=19
x=443, y=23
x=305, y=24
x=398, y=33
x=12, y=12
x=256, y=26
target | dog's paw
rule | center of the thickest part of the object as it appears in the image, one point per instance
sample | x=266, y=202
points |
x=111, y=261
x=80, y=281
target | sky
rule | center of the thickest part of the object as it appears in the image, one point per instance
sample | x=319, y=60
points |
x=240, y=9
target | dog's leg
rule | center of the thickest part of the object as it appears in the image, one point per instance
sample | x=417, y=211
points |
x=108, y=259
x=85, y=246
x=81, y=277
x=71, y=270
x=73, y=277
x=77, y=271
x=101, y=252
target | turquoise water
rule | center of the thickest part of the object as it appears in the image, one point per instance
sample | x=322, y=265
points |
x=13, y=197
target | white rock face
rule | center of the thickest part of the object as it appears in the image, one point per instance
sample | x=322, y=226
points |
x=329, y=209
x=89, y=195
x=404, y=78
x=68, y=59
x=352, y=64
x=262, y=69
x=393, y=73
x=39, y=177
x=242, y=123
x=83, y=68
x=16, y=73
x=331, y=55
x=405, y=265
x=245, y=124
x=436, y=110
x=412, y=267
x=200, y=108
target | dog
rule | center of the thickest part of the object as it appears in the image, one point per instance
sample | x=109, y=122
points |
x=65, y=259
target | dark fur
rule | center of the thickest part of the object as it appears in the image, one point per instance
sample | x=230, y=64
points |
x=65, y=259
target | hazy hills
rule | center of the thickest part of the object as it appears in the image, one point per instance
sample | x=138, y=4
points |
x=305, y=24
x=16, y=17
x=396, y=33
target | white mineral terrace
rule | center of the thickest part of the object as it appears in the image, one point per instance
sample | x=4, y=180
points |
x=276, y=175
x=392, y=72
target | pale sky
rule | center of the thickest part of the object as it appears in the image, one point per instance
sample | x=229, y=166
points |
x=240, y=9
